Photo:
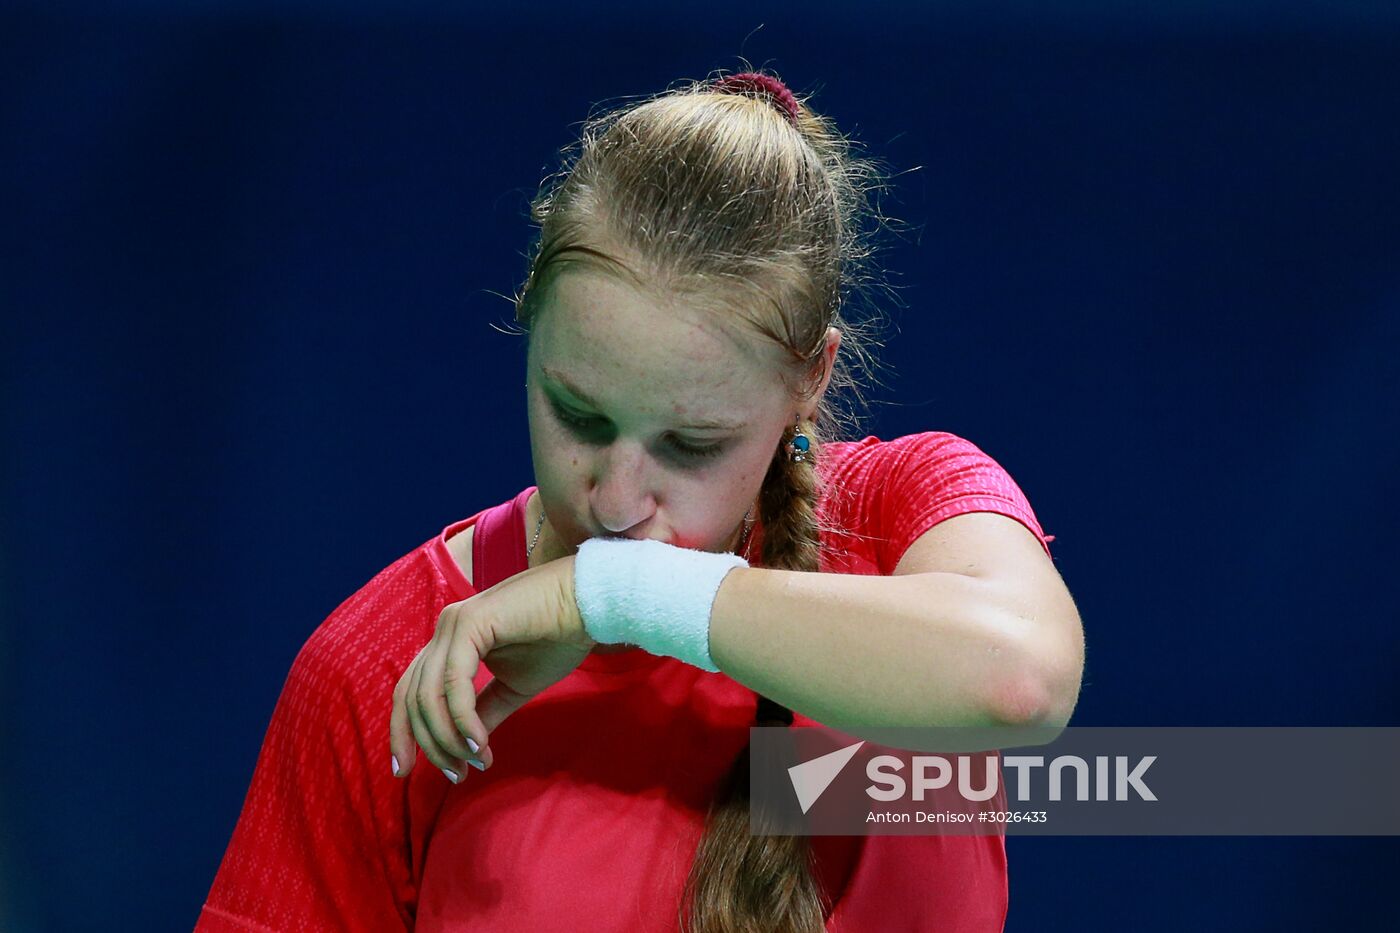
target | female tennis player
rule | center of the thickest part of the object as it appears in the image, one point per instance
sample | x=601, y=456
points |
x=578, y=667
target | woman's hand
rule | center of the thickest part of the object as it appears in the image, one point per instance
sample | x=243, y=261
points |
x=528, y=630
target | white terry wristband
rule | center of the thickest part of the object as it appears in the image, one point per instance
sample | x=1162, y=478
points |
x=650, y=594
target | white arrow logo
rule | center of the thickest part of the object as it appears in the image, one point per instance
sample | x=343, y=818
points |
x=813, y=777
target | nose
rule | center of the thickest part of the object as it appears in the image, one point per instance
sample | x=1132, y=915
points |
x=621, y=496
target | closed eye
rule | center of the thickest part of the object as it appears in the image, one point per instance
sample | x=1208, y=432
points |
x=573, y=420
x=690, y=450
x=585, y=426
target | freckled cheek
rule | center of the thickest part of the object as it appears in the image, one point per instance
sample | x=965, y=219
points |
x=566, y=461
x=557, y=455
x=705, y=516
x=553, y=440
x=563, y=474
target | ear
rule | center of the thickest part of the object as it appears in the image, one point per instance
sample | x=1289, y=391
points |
x=827, y=365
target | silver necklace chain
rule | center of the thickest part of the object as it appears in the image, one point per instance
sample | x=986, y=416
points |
x=538, y=528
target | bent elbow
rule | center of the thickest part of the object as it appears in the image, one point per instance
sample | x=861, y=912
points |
x=1040, y=689
x=1035, y=702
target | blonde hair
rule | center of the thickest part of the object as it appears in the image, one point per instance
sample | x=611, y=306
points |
x=728, y=200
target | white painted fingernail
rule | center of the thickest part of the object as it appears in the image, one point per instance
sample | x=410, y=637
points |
x=476, y=764
x=451, y=775
x=395, y=760
x=471, y=743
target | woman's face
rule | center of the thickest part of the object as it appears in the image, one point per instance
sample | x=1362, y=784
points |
x=647, y=420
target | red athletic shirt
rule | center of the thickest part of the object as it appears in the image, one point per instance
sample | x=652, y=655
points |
x=589, y=818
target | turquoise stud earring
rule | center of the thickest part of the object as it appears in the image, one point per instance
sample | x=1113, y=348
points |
x=799, y=448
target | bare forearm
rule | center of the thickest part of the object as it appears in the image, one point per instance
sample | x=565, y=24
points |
x=929, y=649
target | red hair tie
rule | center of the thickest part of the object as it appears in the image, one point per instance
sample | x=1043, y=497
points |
x=776, y=90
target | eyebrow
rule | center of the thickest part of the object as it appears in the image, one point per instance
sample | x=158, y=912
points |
x=576, y=392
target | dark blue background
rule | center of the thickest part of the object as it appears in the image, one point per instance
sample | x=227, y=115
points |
x=247, y=276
